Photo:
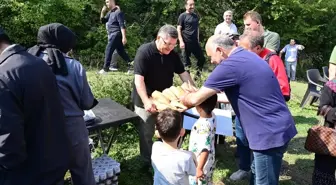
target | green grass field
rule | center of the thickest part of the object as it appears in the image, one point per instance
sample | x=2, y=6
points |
x=297, y=165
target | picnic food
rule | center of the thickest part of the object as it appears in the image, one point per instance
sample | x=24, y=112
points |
x=169, y=94
x=170, y=97
x=177, y=104
x=160, y=97
x=162, y=106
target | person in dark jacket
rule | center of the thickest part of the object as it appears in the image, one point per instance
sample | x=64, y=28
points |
x=34, y=147
x=54, y=41
x=325, y=166
x=116, y=34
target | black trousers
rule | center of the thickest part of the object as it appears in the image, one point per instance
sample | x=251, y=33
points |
x=195, y=49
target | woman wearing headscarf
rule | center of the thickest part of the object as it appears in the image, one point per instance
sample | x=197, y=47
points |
x=53, y=42
x=325, y=165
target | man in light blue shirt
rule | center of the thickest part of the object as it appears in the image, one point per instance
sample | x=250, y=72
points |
x=291, y=51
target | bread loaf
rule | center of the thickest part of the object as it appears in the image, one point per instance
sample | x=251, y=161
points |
x=169, y=94
x=175, y=91
x=162, y=106
x=178, y=104
x=158, y=96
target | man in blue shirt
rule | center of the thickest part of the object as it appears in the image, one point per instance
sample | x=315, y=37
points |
x=291, y=51
x=254, y=93
x=116, y=30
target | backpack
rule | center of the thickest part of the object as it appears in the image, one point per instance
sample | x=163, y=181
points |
x=267, y=58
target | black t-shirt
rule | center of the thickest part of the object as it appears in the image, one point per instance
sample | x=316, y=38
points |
x=189, y=24
x=158, y=70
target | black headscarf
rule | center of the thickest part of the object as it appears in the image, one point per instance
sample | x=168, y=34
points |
x=55, y=38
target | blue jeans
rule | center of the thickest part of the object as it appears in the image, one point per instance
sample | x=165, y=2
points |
x=243, y=149
x=266, y=166
x=291, y=70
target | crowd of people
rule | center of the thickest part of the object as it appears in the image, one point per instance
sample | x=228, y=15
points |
x=44, y=91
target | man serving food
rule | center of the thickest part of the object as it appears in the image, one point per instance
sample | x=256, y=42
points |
x=154, y=66
x=264, y=115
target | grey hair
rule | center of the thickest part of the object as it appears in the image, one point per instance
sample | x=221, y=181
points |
x=254, y=37
x=227, y=11
x=168, y=30
x=224, y=42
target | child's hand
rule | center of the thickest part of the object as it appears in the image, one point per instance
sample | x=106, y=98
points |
x=199, y=174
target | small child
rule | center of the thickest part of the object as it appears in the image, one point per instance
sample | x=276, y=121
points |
x=201, y=143
x=171, y=165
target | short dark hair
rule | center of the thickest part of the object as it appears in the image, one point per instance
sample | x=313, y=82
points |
x=209, y=104
x=255, y=16
x=169, y=124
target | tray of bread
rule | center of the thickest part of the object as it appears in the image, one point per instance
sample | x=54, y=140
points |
x=170, y=97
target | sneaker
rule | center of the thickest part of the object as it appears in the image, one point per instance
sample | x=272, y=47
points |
x=130, y=71
x=102, y=72
x=113, y=69
x=239, y=175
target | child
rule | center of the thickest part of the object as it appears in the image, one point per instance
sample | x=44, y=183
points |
x=171, y=165
x=201, y=143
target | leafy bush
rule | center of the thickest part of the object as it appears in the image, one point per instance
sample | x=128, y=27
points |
x=116, y=86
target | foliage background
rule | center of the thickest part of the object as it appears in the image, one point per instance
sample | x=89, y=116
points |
x=311, y=22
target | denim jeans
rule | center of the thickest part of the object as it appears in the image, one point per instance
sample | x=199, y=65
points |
x=114, y=43
x=291, y=70
x=266, y=166
x=243, y=149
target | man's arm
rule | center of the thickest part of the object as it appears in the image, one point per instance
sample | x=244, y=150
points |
x=300, y=47
x=12, y=127
x=121, y=21
x=87, y=100
x=179, y=30
x=198, y=33
x=196, y=98
x=283, y=51
x=185, y=77
x=221, y=98
x=104, y=18
x=140, y=70
x=141, y=88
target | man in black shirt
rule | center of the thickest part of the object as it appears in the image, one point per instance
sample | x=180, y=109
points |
x=188, y=31
x=154, y=66
x=116, y=30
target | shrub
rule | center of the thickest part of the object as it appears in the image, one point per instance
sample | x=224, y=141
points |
x=117, y=86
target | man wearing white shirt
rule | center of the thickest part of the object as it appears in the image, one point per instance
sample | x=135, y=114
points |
x=291, y=51
x=226, y=27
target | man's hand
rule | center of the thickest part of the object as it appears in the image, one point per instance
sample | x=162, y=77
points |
x=182, y=46
x=124, y=40
x=104, y=9
x=150, y=106
x=199, y=174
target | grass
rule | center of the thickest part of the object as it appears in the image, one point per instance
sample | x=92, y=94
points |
x=297, y=165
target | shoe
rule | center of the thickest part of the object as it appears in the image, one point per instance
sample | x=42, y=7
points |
x=102, y=72
x=239, y=175
x=113, y=69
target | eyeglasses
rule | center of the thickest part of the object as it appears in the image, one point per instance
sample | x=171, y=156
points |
x=168, y=44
